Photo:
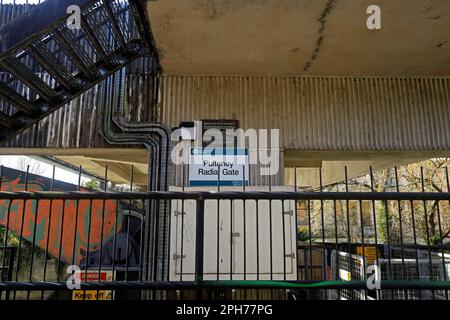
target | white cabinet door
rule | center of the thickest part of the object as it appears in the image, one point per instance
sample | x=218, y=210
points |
x=262, y=239
x=237, y=240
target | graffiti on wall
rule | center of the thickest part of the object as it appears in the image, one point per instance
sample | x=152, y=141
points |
x=67, y=228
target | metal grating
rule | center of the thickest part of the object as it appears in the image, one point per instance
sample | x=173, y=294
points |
x=414, y=264
x=348, y=267
x=414, y=269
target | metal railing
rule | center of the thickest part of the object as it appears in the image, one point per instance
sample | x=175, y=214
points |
x=206, y=270
x=247, y=242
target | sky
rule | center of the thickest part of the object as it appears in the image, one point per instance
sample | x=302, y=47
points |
x=40, y=168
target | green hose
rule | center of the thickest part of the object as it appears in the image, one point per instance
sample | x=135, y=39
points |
x=412, y=284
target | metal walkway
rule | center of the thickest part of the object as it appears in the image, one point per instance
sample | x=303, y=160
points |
x=44, y=64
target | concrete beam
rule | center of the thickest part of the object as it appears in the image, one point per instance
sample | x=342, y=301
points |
x=109, y=153
x=334, y=171
x=292, y=156
x=124, y=172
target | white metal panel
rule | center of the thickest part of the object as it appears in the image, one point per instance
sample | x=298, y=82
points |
x=238, y=251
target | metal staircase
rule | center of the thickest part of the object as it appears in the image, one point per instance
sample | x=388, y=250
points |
x=44, y=64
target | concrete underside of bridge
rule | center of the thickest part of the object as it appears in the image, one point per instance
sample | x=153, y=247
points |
x=233, y=60
x=302, y=37
x=339, y=93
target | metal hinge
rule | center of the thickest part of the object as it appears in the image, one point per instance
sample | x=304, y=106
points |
x=290, y=212
x=236, y=234
x=179, y=213
x=290, y=255
x=178, y=256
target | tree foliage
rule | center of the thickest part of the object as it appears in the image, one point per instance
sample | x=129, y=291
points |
x=421, y=222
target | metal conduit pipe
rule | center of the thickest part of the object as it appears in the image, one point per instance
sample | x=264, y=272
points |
x=142, y=131
x=153, y=150
x=156, y=138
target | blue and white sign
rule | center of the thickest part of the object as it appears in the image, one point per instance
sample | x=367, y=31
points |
x=209, y=166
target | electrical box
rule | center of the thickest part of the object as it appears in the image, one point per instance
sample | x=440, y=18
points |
x=256, y=239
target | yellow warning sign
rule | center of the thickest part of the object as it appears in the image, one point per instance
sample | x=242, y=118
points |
x=345, y=275
x=93, y=276
x=370, y=253
x=92, y=295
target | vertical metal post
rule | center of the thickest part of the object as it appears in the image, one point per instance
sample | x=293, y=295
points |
x=400, y=221
x=182, y=228
x=21, y=230
x=322, y=221
x=218, y=226
x=47, y=243
x=427, y=230
x=199, y=245
x=130, y=203
x=12, y=252
x=100, y=251
x=374, y=217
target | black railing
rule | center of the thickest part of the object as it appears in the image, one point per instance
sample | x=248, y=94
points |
x=246, y=250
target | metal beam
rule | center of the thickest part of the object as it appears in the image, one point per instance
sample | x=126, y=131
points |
x=95, y=42
x=26, y=76
x=76, y=54
x=138, y=7
x=53, y=67
x=123, y=171
x=7, y=121
x=16, y=100
x=116, y=29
